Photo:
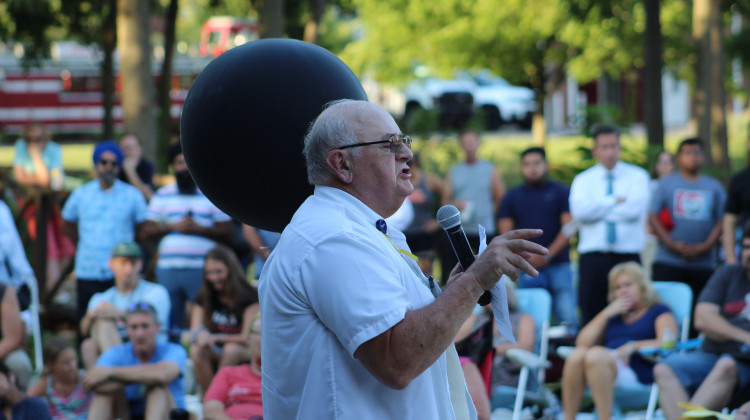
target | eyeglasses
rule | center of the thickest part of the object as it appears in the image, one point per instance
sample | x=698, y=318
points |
x=141, y=306
x=395, y=142
x=109, y=162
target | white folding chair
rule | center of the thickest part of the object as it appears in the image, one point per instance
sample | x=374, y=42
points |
x=36, y=330
x=537, y=303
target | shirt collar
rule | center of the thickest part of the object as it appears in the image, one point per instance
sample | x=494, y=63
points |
x=614, y=169
x=350, y=202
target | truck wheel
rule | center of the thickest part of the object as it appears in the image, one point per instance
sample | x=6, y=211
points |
x=492, y=119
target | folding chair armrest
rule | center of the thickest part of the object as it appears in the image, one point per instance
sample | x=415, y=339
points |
x=526, y=358
x=564, y=351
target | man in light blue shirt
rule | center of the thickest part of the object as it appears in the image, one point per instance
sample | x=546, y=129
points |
x=149, y=374
x=14, y=267
x=99, y=215
x=104, y=322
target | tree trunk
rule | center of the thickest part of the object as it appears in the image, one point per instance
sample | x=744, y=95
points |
x=653, y=72
x=702, y=95
x=165, y=84
x=270, y=18
x=109, y=43
x=719, y=138
x=538, y=124
x=312, y=28
x=133, y=41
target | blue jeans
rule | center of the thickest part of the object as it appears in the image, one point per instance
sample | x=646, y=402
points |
x=183, y=285
x=558, y=280
x=692, y=368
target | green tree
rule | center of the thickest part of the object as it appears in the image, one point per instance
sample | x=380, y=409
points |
x=517, y=40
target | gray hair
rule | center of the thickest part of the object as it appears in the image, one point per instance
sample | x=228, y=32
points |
x=332, y=129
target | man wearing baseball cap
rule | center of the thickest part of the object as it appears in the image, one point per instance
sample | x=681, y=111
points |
x=97, y=216
x=103, y=323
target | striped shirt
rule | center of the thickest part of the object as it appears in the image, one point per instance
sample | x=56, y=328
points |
x=179, y=250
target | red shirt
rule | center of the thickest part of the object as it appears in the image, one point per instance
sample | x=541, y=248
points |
x=238, y=388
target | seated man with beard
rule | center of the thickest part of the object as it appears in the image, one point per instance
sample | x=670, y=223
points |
x=187, y=226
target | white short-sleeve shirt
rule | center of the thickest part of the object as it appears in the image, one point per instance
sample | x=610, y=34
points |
x=332, y=283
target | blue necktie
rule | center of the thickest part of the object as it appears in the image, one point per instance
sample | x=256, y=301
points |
x=381, y=226
x=611, y=232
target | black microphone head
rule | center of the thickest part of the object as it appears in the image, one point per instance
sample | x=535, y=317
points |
x=448, y=217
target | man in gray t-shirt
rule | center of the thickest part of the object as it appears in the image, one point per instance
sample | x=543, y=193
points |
x=685, y=214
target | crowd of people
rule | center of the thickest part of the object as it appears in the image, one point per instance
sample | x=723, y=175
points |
x=130, y=357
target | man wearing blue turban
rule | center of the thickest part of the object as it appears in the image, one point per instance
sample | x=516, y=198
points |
x=99, y=215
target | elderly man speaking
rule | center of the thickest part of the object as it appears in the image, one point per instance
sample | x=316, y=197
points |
x=351, y=327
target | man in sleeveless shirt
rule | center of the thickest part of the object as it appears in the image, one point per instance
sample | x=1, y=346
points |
x=475, y=187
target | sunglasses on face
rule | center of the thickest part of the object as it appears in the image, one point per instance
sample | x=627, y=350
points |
x=141, y=306
x=395, y=143
x=109, y=162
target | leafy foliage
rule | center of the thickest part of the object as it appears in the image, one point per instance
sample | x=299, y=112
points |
x=27, y=23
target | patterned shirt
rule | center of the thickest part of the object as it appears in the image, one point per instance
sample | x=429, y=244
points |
x=105, y=218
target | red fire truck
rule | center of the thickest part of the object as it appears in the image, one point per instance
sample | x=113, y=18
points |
x=221, y=33
x=65, y=92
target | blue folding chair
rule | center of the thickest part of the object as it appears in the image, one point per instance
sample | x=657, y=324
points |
x=679, y=298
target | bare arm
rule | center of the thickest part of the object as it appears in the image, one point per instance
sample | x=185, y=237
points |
x=220, y=232
x=70, y=229
x=39, y=389
x=10, y=320
x=256, y=243
x=466, y=328
x=593, y=333
x=214, y=410
x=728, y=240
x=498, y=190
x=525, y=339
x=403, y=352
x=661, y=233
x=39, y=176
x=241, y=338
x=561, y=241
x=506, y=224
x=103, y=379
x=132, y=176
x=709, y=321
x=150, y=230
x=661, y=324
x=711, y=240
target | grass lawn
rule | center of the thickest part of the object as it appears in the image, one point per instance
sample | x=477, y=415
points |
x=440, y=152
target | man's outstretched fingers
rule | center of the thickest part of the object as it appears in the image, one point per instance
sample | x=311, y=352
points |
x=522, y=245
x=521, y=234
x=520, y=263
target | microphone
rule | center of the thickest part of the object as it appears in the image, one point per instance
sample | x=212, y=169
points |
x=449, y=219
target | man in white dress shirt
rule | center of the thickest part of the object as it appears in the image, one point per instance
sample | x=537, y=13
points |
x=610, y=202
x=351, y=327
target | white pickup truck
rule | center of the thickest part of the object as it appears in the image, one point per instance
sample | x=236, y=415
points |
x=468, y=93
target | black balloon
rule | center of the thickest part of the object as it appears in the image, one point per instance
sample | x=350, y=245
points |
x=244, y=122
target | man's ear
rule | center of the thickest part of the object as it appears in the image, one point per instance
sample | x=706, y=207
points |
x=341, y=165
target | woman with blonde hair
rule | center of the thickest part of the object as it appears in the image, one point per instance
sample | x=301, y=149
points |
x=606, y=353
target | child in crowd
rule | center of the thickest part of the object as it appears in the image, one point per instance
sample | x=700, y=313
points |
x=61, y=383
